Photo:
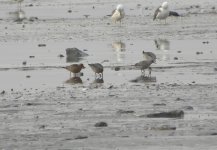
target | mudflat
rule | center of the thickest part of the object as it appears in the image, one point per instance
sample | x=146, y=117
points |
x=43, y=107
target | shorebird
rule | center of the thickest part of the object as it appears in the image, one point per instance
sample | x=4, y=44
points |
x=142, y=65
x=97, y=68
x=162, y=12
x=74, y=68
x=118, y=14
x=149, y=56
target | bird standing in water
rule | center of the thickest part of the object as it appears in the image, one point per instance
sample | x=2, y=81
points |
x=118, y=14
x=74, y=68
x=97, y=68
x=142, y=65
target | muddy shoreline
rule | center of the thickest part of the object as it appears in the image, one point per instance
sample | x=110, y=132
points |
x=41, y=106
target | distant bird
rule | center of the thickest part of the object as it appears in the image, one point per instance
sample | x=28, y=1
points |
x=142, y=65
x=118, y=14
x=149, y=56
x=97, y=68
x=74, y=68
x=119, y=48
x=162, y=12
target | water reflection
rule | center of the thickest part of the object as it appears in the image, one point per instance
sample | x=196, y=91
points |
x=70, y=58
x=74, y=55
x=19, y=4
x=162, y=44
x=119, y=48
x=74, y=80
x=18, y=15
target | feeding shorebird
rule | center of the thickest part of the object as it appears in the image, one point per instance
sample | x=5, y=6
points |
x=97, y=68
x=142, y=65
x=74, y=68
x=162, y=12
x=149, y=56
x=118, y=14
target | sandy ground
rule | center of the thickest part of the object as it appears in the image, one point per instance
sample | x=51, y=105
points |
x=41, y=109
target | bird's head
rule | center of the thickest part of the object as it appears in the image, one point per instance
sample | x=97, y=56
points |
x=120, y=7
x=154, y=61
x=165, y=5
x=82, y=66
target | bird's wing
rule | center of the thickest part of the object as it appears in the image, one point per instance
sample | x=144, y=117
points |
x=113, y=12
x=143, y=64
x=99, y=66
x=156, y=12
x=116, y=15
x=173, y=13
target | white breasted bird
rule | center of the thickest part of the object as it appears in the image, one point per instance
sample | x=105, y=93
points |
x=118, y=14
x=162, y=12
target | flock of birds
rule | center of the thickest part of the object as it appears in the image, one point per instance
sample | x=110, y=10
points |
x=98, y=68
x=161, y=13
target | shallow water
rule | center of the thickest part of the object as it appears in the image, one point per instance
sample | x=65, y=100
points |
x=43, y=108
x=45, y=68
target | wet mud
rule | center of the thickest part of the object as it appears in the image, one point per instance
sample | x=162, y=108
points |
x=42, y=106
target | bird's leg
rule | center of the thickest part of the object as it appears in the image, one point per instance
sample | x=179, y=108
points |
x=149, y=69
x=143, y=72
